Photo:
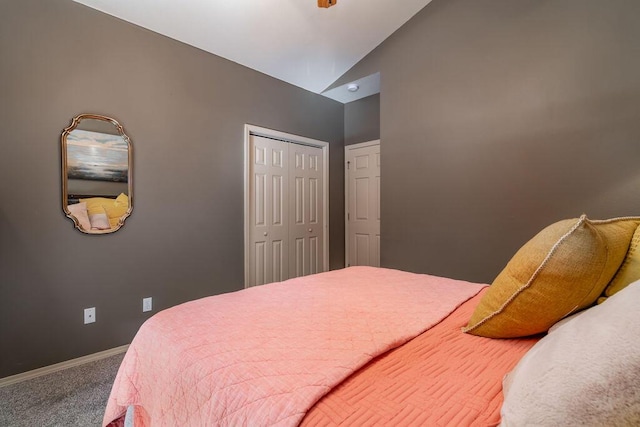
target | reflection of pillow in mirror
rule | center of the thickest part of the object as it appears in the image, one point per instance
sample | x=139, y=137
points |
x=112, y=210
x=97, y=202
x=122, y=200
x=98, y=218
x=114, y=222
x=585, y=372
x=115, y=212
x=79, y=211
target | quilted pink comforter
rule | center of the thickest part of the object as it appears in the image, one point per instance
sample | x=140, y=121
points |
x=265, y=355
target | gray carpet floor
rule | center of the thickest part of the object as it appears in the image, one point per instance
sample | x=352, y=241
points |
x=69, y=398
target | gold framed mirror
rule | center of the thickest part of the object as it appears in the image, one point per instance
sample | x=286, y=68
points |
x=97, y=170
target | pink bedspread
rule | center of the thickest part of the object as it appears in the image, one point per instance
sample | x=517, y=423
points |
x=265, y=355
x=442, y=377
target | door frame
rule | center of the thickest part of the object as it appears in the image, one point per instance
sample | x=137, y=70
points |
x=291, y=138
x=346, y=192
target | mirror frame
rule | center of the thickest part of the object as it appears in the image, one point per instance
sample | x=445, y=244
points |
x=65, y=170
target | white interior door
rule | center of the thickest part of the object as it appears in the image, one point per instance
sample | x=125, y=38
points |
x=363, y=203
x=269, y=213
x=286, y=218
x=306, y=214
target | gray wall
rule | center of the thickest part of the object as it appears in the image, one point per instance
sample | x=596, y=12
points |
x=184, y=110
x=499, y=117
x=362, y=120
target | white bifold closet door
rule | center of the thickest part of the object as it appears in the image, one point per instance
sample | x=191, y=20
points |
x=286, y=194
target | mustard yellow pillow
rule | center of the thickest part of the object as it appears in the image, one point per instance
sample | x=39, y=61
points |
x=115, y=212
x=114, y=208
x=120, y=207
x=563, y=269
x=122, y=200
x=97, y=202
x=629, y=271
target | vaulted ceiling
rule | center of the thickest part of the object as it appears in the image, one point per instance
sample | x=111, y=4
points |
x=291, y=40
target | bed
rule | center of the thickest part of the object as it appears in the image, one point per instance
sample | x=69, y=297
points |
x=375, y=346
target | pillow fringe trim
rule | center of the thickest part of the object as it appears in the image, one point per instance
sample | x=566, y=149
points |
x=581, y=220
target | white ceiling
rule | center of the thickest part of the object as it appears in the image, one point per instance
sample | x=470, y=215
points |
x=291, y=40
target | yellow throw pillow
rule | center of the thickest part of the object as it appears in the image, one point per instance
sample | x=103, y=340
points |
x=115, y=212
x=113, y=222
x=563, y=269
x=113, y=207
x=94, y=203
x=629, y=271
x=122, y=200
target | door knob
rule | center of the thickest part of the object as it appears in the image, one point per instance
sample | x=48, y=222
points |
x=310, y=230
x=265, y=233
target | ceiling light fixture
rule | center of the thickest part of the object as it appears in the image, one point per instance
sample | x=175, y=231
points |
x=352, y=87
x=326, y=3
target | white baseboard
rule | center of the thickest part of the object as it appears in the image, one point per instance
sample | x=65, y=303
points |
x=13, y=379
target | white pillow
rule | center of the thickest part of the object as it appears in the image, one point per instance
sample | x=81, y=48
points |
x=99, y=219
x=585, y=372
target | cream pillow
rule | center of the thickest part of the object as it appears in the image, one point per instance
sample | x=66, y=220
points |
x=563, y=269
x=98, y=218
x=79, y=211
x=629, y=271
x=585, y=372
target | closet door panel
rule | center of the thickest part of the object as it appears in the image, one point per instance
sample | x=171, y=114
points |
x=269, y=253
x=306, y=231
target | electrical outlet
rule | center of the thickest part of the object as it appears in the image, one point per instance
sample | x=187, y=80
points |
x=147, y=304
x=89, y=315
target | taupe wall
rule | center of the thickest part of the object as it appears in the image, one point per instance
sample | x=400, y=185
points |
x=362, y=120
x=499, y=117
x=184, y=110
